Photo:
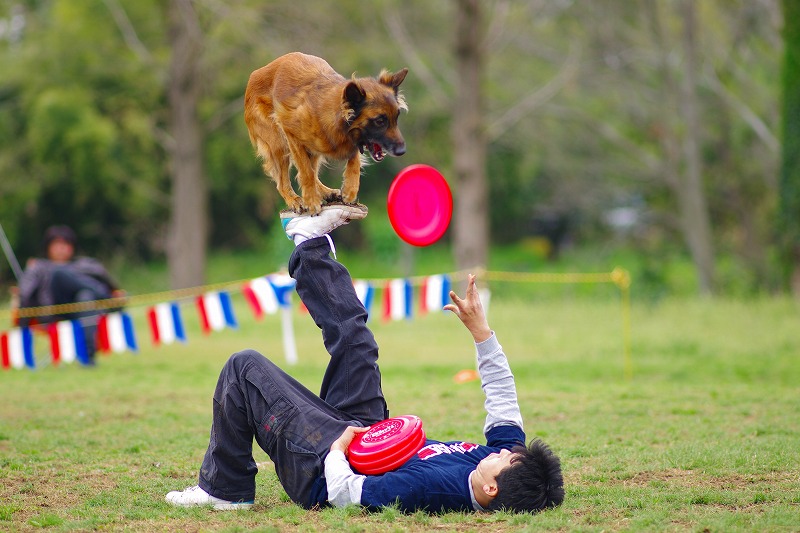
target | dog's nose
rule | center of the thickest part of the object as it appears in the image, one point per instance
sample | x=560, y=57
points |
x=399, y=149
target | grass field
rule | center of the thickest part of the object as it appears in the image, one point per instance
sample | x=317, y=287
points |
x=705, y=436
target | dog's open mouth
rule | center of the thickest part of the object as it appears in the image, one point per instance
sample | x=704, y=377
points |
x=375, y=150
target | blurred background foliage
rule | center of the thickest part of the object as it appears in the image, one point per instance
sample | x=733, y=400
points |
x=578, y=121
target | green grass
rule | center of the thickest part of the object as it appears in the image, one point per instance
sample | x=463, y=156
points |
x=705, y=436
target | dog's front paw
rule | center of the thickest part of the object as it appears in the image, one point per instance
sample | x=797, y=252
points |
x=295, y=204
x=312, y=207
x=335, y=195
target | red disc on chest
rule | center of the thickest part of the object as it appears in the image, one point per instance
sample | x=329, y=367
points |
x=386, y=445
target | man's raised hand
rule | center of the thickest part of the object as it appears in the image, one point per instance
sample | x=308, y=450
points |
x=470, y=311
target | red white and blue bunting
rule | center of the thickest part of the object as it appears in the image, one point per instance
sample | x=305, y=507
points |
x=266, y=295
x=67, y=342
x=397, y=297
x=115, y=333
x=365, y=292
x=166, y=324
x=16, y=348
x=216, y=311
x=434, y=293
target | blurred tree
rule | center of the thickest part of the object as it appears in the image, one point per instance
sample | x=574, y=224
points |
x=188, y=232
x=628, y=136
x=684, y=173
x=471, y=213
x=576, y=117
x=691, y=193
x=88, y=81
x=492, y=83
x=76, y=138
x=789, y=205
x=187, y=130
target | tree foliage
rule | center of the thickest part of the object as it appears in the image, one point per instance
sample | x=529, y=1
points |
x=575, y=115
x=789, y=212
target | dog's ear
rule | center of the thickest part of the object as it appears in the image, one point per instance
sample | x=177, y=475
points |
x=393, y=80
x=354, y=94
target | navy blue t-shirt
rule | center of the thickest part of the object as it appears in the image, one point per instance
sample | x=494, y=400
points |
x=437, y=477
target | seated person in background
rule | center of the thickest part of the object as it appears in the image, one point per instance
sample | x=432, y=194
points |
x=62, y=278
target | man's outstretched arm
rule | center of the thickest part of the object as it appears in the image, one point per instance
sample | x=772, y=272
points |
x=497, y=380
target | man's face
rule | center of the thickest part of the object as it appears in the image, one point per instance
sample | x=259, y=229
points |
x=491, y=465
x=60, y=251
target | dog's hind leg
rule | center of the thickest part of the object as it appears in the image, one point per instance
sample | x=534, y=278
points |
x=306, y=176
x=276, y=165
x=352, y=179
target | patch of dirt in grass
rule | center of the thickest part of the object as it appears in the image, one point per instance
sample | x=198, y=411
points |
x=673, y=476
x=312, y=521
x=50, y=491
x=693, y=478
x=610, y=519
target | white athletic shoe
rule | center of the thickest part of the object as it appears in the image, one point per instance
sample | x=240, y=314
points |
x=303, y=226
x=195, y=496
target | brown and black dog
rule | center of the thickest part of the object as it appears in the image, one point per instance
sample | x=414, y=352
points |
x=299, y=110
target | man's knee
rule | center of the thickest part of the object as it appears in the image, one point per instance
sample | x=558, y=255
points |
x=236, y=367
x=245, y=359
x=60, y=276
x=71, y=286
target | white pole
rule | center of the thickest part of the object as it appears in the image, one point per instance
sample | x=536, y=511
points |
x=289, y=344
x=12, y=259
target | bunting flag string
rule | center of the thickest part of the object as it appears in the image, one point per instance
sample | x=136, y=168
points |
x=166, y=324
x=265, y=295
x=434, y=293
x=365, y=292
x=67, y=343
x=216, y=311
x=397, y=300
x=283, y=285
x=268, y=293
x=260, y=294
x=115, y=333
x=17, y=348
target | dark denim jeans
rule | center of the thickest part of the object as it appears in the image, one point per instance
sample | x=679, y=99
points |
x=69, y=286
x=294, y=426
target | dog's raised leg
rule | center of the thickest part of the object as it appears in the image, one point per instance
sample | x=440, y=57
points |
x=352, y=179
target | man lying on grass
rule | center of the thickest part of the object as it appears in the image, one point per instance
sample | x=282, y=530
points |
x=307, y=436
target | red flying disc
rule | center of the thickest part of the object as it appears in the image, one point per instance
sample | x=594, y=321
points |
x=386, y=445
x=420, y=205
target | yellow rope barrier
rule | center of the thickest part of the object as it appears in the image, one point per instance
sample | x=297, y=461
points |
x=623, y=280
x=127, y=301
x=619, y=277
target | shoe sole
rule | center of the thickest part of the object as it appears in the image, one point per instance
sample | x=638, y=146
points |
x=354, y=211
x=232, y=506
x=216, y=506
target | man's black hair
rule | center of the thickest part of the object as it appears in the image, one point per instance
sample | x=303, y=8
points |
x=59, y=232
x=532, y=483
